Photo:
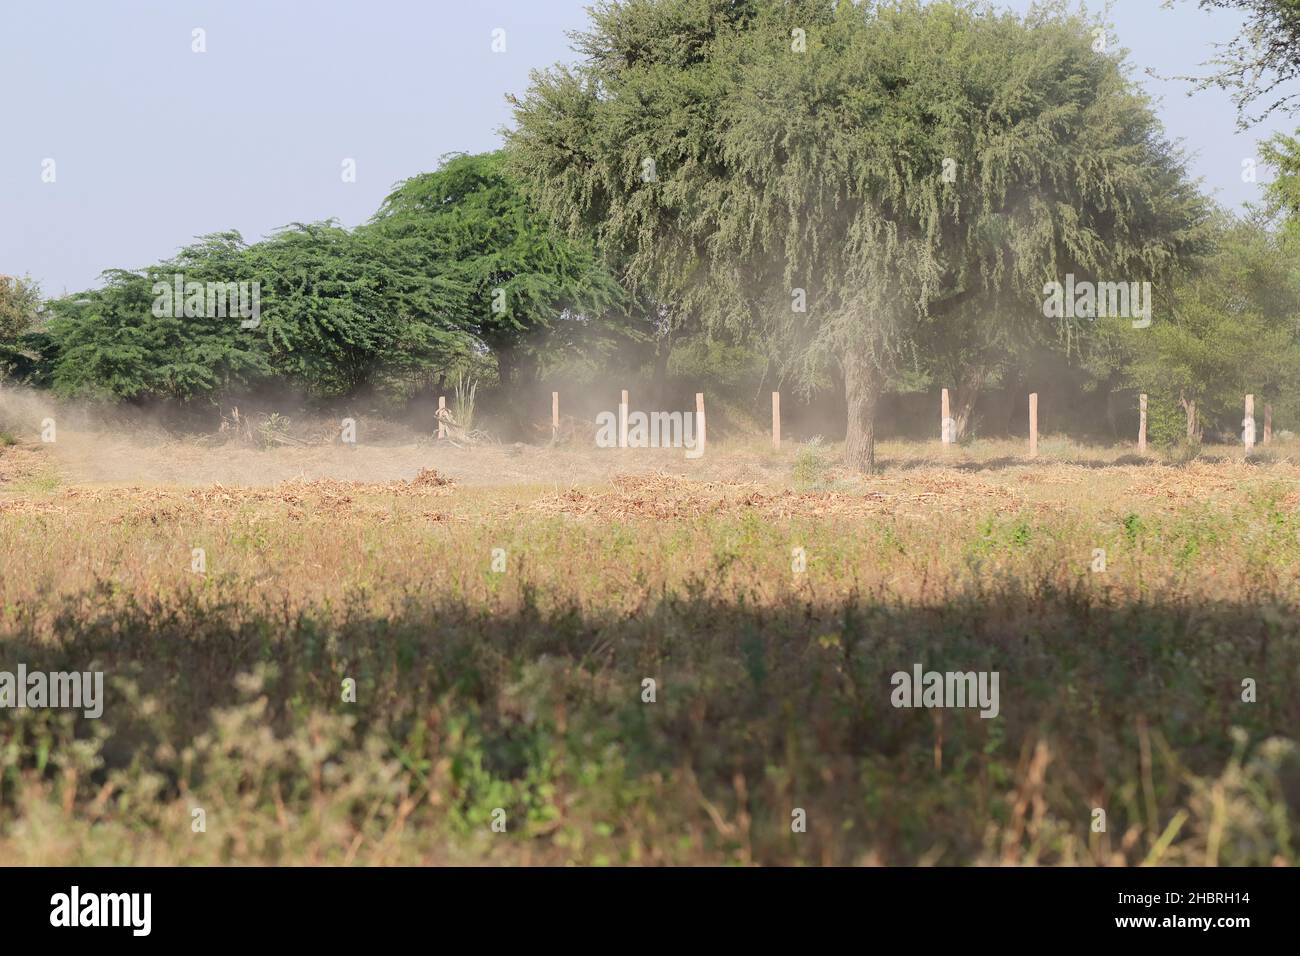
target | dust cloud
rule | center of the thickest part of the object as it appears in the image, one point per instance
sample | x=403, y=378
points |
x=131, y=447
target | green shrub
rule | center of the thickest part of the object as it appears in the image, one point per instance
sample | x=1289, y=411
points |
x=811, y=464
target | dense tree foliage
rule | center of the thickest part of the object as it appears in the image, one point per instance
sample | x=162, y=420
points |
x=1234, y=329
x=346, y=310
x=1282, y=193
x=454, y=265
x=20, y=303
x=526, y=294
x=337, y=311
x=516, y=276
x=110, y=344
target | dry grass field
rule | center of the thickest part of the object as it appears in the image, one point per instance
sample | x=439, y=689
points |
x=499, y=608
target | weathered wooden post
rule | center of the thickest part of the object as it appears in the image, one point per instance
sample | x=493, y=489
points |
x=1033, y=424
x=699, y=423
x=622, y=421
x=555, y=415
x=776, y=420
x=1142, y=424
x=1268, y=424
x=945, y=420
x=1248, y=425
x=442, y=416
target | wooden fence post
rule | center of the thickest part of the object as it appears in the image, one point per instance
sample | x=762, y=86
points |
x=555, y=415
x=1248, y=425
x=945, y=420
x=776, y=420
x=699, y=423
x=1142, y=424
x=442, y=416
x=1268, y=424
x=622, y=421
x=1033, y=425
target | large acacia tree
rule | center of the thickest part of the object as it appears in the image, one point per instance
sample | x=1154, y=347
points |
x=882, y=165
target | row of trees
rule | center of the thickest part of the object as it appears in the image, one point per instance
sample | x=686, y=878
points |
x=454, y=270
x=867, y=197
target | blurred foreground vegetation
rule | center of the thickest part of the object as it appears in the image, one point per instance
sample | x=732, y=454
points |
x=522, y=690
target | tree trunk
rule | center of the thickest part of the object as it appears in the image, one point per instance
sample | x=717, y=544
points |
x=862, y=387
x=517, y=369
x=1189, y=406
x=969, y=385
x=663, y=352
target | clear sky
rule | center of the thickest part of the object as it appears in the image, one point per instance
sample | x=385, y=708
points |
x=154, y=144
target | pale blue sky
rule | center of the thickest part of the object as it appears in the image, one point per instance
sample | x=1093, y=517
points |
x=155, y=144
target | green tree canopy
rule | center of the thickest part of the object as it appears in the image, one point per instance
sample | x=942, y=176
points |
x=516, y=278
x=454, y=264
x=1234, y=329
x=1282, y=194
x=109, y=343
x=344, y=310
x=337, y=311
x=20, y=303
